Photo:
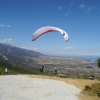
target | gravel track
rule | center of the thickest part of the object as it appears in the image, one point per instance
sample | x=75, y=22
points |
x=21, y=87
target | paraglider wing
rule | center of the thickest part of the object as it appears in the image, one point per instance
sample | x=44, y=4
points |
x=47, y=29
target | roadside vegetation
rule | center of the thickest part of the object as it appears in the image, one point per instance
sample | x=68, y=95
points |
x=93, y=89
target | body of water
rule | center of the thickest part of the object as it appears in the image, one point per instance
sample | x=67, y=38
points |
x=92, y=58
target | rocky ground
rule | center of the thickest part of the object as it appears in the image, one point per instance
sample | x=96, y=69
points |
x=21, y=87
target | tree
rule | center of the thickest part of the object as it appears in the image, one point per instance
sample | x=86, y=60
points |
x=98, y=62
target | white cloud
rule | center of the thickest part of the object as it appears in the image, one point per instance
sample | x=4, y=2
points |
x=23, y=47
x=71, y=3
x=82, y=6
x=66, y=14
x=69, y=11
x=2, y=25
x=7, y=41
x=11, y=42
x=60, y=7
x=89, y=9
x=8, y=26
x=69, y=48
x=35, y=49
x=29, y=48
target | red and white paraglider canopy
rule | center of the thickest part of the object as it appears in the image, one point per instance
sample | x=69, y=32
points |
x=47, y=29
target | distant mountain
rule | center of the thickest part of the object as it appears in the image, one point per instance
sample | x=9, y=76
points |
x=18, y=56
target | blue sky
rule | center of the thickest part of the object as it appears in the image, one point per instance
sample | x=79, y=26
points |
x=19, y=19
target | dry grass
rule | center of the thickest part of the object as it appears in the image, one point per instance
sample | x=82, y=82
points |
x=80, y=83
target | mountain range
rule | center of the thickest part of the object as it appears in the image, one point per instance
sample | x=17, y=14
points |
x=18, y=56
x=25, y=61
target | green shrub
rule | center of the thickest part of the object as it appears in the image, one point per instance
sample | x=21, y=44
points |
x=87, y=88
x=93, y=90
x=96, y=88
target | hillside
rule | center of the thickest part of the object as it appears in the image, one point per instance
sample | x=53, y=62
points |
x=13, y=69
x=18, y=56
x=76, y=67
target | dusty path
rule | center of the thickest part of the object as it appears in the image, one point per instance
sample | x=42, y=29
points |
x=18, y=87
